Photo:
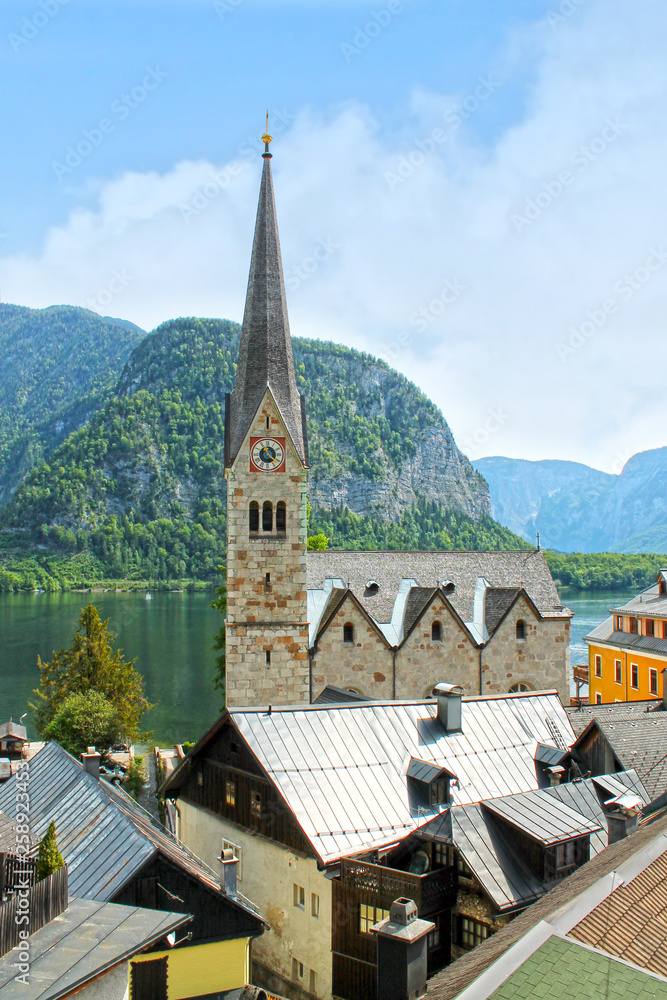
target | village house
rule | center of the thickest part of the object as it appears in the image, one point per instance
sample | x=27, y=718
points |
x=116, y=852
x=381, y=624
x=334, y=811
x=627, y=653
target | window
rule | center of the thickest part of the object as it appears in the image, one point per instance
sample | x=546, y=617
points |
x=227, y=845
x=253, y=517
x=633, y=625
x=434, y=936
x=462, y=867
x=255, y=804
x=470, y=933
x=436, y=632
x=519, y=687
x=313, y=981
x=200, y=778
x=149, y=979
x=598, y=698
x=565, y=855
x=618, y=672
x=664, y=630
x=348, y=632
x=281, y=517
x=267, y=583
x=443, y=855
x=598, y=665
x=520, y=630
x=314, y=905
x=267, y=656
x=267, y=516
x=634, y=676
x=299, y=896
x=439, y=791
x=297, y=969
x=230, y=793
x=619, y=623
x=268, y=423
x=650, y=626
x=653, y=680
x=369, y=915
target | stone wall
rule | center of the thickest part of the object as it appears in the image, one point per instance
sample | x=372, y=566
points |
x=364, y=665
x=541, y=660
x=266, y=616
x=422, y=663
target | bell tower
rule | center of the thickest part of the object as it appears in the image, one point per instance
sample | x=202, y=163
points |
x=266, y=462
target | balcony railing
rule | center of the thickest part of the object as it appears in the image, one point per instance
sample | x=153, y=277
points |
x=45, y=900
x=431, y=892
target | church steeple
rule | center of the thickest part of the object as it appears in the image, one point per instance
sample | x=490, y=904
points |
x=265, y=356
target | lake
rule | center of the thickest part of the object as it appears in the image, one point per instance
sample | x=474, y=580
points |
x=172, y=638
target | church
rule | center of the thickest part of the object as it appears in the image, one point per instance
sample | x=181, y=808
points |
x=379, y=625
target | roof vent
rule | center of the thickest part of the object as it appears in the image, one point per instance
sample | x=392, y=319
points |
x=449, y=706
x=448, y=586
x=371, y=588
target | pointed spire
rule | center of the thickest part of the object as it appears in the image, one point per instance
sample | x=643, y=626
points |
x=265, y=354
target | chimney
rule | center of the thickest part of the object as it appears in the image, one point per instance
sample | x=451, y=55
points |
x=91, y=761
x=623, y=816
x=449, y=706
x=402, y=952
x=228, y=865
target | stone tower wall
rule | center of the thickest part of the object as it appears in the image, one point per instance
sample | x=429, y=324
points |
x=266, y=618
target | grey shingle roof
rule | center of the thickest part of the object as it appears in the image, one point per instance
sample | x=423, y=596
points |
x=415, y=603
x=388, y=569
x=497, y=601
x=606, y=633
x=265, y=353
x=103, y=834
x=88, y=939
x=640, y=743
x=581, y=717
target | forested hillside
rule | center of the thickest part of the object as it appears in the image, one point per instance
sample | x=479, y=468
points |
x=57, y=367
x=138, y=493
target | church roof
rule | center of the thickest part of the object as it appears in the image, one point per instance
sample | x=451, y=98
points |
x=504, y=570
x=265, y=354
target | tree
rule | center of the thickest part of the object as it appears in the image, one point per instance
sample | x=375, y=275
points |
x=49, y=858
x=85, y=719
x=220, y=604
x=91, y=664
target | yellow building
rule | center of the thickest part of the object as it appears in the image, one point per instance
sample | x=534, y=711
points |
x=627, y=653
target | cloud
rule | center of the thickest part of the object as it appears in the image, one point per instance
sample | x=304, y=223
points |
x=536, y=231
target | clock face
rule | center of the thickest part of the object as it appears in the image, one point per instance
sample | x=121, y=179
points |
x=267, y=454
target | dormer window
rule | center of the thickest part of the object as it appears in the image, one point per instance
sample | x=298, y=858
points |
x=633, y=626
x=619, y=623
x=428, y=782
x=439, y=791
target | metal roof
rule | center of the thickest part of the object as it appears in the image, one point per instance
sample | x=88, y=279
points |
x=605, y=632
x=342, y=769
x=542, y=817
x=420, y=770
x=88, y=939
x=331, y=695
x=549, y=755
x=103, y=834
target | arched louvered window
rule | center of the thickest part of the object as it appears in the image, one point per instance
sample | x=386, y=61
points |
x=253, y=516
x=436, y=632
x=267, y=516
x=348, y=632
x=521, y=629
x=281, y=517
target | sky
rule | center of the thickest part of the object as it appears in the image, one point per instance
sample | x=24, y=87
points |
x=471, y=190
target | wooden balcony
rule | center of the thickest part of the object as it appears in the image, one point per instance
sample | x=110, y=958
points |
x=431, y=892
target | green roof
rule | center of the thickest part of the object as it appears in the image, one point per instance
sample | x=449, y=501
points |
x=566, y=970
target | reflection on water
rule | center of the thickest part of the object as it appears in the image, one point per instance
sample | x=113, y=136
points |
x=171, y=637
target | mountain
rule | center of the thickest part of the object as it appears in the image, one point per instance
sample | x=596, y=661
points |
x=578, y=509
x=57, y=367
x=140, y=487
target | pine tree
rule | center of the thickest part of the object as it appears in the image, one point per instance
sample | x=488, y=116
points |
x=49, y=858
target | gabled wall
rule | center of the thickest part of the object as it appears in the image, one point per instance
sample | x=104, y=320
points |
x=364, y=665
x=421, y=663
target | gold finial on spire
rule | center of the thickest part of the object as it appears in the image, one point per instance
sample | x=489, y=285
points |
x=266, y=138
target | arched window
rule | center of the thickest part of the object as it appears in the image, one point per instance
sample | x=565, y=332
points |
x=348, y=632
x=520, y=629
x=253, y=516
x=281, y=517
x=267, y=516
x=520, y=687
x=436, y=632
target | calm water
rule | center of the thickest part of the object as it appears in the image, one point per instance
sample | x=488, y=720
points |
x=171, y=636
